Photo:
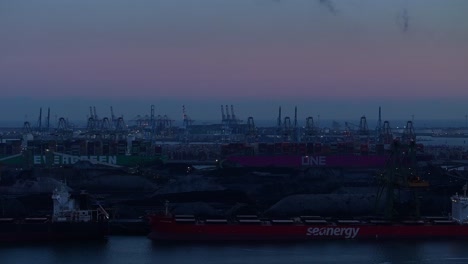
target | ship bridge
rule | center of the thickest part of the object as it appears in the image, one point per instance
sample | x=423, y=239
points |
x=460, y=207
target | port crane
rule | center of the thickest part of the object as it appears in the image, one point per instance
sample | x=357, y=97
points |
x=310, y=131
x=286, y=129
x=400, y=174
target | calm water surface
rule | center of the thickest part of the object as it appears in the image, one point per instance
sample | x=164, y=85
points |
x=442, y=141
x=141, y=250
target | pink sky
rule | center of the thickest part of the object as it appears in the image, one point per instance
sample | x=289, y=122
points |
x=255, y=50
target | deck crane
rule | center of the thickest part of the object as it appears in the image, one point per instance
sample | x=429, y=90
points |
x=400, y=174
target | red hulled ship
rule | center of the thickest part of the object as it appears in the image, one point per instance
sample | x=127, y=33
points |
x=252, y=228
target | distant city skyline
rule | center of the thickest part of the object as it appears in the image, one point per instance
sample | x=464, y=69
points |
x=336, y=59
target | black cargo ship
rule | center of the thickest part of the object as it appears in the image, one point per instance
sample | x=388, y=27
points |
x=67, y=222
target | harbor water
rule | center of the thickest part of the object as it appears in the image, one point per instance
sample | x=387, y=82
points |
x=443, y=141
x=139, y=249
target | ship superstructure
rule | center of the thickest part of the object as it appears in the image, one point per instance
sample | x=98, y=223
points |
x=70, y=220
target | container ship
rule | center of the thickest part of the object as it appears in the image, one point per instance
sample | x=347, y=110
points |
x=166, y=227
x=68, y=222
x=306, y=155
x=56, y=153
x=314, y=147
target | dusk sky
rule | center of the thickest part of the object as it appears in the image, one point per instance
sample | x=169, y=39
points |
x=337, y=59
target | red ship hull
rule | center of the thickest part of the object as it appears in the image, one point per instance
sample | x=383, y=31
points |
x=167, y=229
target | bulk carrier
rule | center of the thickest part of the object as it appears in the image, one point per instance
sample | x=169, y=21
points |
x=166, y=227
x=252, y=228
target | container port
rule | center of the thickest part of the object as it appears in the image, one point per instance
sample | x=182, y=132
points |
x=228, y=167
